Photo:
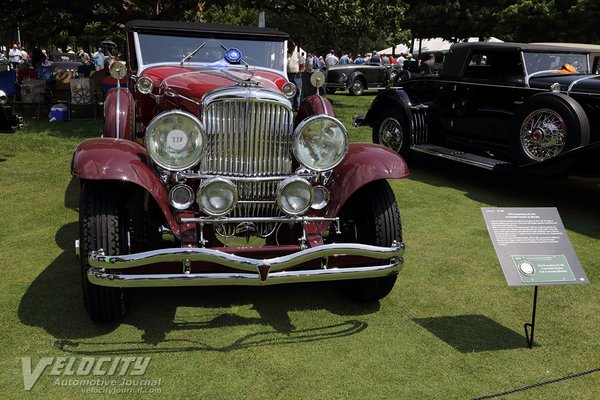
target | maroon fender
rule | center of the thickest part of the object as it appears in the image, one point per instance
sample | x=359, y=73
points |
x=363, y=164
x=117, y=113
x=313, y=105
x=121, y=160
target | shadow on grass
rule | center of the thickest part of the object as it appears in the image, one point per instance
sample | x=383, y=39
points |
x=576, y=201
x=54, y=302
x=473, y=333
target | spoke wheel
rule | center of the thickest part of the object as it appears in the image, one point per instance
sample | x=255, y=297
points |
x=546, y=126
x=390, y=130
x=357, y=88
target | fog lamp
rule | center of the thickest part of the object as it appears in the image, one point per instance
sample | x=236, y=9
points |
x=217, y=196
x=181, y=197
x=294, y=195
x=320, y=198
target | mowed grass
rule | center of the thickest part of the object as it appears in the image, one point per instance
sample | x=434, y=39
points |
x=451, y=328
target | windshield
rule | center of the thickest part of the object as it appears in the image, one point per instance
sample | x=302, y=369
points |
x=535, y=62
x=155, y=49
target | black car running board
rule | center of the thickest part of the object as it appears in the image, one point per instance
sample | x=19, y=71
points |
x=460, y=156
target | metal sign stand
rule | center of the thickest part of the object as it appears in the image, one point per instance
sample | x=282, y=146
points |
x=530, y=327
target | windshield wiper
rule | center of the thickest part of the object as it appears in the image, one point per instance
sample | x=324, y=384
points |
x=184, y=59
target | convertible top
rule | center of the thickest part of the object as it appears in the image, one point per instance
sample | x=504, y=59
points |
x=460, y=53
x=176, y=28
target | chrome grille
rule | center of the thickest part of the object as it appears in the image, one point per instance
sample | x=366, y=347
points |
x=249, y=137
x=419, y=125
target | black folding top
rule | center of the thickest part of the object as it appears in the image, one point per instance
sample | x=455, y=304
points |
x=177, y=28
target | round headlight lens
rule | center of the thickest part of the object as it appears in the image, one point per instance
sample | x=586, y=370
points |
x=320, y=142
x=3, y=98
x=144, y=85
x=175, y=139
x=294, y=195
x=217, y=196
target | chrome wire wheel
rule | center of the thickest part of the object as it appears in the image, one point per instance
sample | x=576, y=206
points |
x=543, y=134
x=391, y=134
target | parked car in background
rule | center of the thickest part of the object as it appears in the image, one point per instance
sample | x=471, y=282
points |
x=356, y=78
x=206, y=176
x=497, y=106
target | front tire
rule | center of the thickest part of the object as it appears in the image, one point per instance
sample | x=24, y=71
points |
x=102, y=225
x=548, y=125
x=371, y=217
x=391, y=130
x=357, y=87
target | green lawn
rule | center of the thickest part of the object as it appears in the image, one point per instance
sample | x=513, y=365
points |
x=450, y=329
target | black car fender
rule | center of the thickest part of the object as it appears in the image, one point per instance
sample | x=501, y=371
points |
x=356, y=75
x=393, y=97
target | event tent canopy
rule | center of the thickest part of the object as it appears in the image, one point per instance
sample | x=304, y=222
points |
x=430, y=45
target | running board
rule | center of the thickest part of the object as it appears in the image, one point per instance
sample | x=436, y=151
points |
x=460, y=156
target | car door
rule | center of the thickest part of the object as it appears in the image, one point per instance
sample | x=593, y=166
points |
x=480, y=104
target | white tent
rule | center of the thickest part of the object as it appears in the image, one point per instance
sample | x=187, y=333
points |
x=429, y=45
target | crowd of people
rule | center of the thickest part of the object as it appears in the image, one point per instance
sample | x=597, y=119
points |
x=32, y=64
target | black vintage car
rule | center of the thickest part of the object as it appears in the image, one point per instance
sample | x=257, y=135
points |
x=498, y=106
x=356, y=78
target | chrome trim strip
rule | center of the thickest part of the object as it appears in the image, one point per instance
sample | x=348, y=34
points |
x=241, y=279
x=239, y=220
x=575, y=82
x=97, y=259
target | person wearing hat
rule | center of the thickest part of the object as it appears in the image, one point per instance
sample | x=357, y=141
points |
x=70, y=50
x=15, y=57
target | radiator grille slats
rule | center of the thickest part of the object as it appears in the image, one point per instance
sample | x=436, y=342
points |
x=249, y=138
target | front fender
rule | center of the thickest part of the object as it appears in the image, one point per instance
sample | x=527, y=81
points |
x=313, y=105
x=121, y=160
x=363, y=164
x=396, y=98
x=117, y=113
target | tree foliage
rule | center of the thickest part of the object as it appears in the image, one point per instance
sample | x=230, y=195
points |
x=353, y=25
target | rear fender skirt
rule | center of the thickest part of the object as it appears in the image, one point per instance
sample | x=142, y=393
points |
x=124, y=161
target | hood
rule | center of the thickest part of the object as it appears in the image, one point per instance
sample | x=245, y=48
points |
x=572, y=82
x=194, y=83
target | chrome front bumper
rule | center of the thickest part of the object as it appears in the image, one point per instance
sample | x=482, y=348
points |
x=257, y=272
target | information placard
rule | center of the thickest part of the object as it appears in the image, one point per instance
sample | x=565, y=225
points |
x=533, y=247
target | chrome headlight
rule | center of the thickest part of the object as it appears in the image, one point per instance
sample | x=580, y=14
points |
x=320, y=142
x=289, y=90
x=217, y=196
x=294, y=195
x=3, y=98
x=144, y=85
x=175, y=140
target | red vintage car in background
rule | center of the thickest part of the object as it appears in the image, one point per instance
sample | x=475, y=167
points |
x=206, y=176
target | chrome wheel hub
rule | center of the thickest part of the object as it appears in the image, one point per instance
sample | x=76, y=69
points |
x=543, y=135
x=390, y=134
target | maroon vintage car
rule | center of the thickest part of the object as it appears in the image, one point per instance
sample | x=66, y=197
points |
x=206, y=176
